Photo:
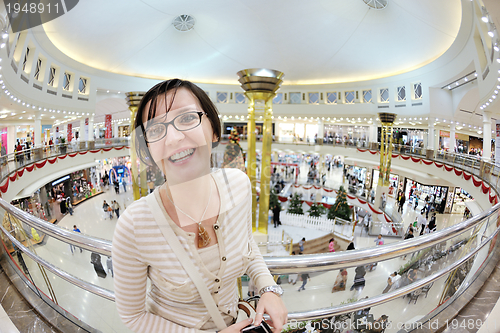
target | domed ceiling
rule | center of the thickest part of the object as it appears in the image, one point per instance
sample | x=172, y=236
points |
x=324, y=41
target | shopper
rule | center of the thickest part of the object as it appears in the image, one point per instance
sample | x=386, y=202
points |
x=301, y=244
x=124, y=183
x=276, y=215
x=69, y=206
x=107, y=210
x=421, y=222
x=117, y=186
x=340, y=281
x=71, y=246
x=401, y=203
x=384, y=200
x=304, y=277
x=331, y=245
x=379, y=240
x=175, y=128
x=116, y=208
x=391, y=282
x=109, y=265
x=95, y=259
x=432, y=223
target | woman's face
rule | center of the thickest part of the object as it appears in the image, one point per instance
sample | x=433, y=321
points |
x=182, y=155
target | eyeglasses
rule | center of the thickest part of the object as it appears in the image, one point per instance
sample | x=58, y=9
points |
x=183, y=122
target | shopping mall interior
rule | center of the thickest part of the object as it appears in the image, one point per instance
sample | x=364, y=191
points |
x=366, y=127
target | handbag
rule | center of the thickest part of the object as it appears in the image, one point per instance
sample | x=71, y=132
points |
x=245, y=308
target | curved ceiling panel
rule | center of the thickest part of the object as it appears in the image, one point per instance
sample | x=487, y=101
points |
x=324, y=41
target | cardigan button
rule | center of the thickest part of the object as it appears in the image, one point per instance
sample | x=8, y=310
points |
x=216, y=227
x=223, y=258
x=217, y=280
x=216, y=292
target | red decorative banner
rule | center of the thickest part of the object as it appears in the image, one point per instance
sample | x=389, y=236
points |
x=373, y=152
x=476, y=183
x=438, y=165
x=416, y=160
x=466, y=176
x=41, y=165
x=427, y=162
x=20, y=172
x=5, y=186
x=406, y=158
x=63, y=157
x=70, y=132
x=53, y=160
x=30, y=168
x=13, y=177
x=107, y=123
x=458, y=172
x=95, y=151
x=363, y=150
x=485, y=188
x=72, y=155
x=395, y=155
x=448, y=168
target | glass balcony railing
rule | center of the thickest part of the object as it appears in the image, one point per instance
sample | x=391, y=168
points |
x=434, y=269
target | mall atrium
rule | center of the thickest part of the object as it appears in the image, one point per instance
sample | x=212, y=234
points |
x=383, y=98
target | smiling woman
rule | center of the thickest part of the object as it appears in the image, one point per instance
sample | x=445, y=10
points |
x=195, y=227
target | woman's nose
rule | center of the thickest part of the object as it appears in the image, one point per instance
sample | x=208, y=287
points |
x=173, y=135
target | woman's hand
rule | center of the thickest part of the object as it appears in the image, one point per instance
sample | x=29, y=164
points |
x=236, y=328
x=273, y=305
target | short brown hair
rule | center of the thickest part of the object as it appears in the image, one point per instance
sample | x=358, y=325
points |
x=152, y=97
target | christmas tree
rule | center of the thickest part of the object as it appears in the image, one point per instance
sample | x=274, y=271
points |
x=316, y=210
x=340, y=208
x=295, y=205
x=233, y=155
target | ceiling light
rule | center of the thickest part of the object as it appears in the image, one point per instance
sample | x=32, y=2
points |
x=465, y=79
x=491, y=34
x=496, y=48
x=456, y=83
x=449, y=87
x=475, y=74
x=20, y=117
x=107, y=91
x=52, y=117
x=5, y=35
x=2, y=45
x=183, y=23
x=485, y=19
x=13, y=114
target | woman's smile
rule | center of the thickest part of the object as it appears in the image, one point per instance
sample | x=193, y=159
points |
x=182, y=156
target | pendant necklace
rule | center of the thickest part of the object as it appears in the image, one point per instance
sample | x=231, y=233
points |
x=203, y=236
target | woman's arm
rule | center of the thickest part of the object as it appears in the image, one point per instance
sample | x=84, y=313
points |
x=130, y=272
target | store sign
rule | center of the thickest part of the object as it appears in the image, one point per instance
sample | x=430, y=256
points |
x=497, y=142
x=3, y=133
x=70, y=132
x=86, y=130
x=57, y=131
x=107, y=122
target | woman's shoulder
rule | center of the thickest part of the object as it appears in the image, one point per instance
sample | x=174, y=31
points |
x=233, y=177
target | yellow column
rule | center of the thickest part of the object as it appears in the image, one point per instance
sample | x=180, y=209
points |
x=382, y=154
x=265, y=171
x=251, y=158
x=133, y=155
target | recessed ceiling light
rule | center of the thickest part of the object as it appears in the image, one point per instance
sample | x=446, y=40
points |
x=184, y=23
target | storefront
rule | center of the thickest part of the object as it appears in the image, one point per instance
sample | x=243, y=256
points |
x=344, y=134
x=457, y=200
x=393, y=181
x=437, y=195
x=410, y=136
x=361, y=174
x=461, y=143
x=241, y=128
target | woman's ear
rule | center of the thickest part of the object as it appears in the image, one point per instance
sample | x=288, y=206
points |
x=215, y=141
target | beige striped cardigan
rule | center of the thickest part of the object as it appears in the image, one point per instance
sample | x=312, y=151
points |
x=173, y=304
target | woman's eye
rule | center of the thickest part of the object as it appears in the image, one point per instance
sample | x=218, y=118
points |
x=154, y=131
x=188, y=118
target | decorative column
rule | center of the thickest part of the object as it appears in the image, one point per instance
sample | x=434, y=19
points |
x=373, y=136
x=321, y=132
x=452, y=137
x=260, y=87
x=37, y=140
x=487, y=135
x=115, y=129
x=430, y=138
x=139, y=181
x=386, y=120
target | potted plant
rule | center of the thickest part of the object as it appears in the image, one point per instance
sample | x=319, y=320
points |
x=63, y=146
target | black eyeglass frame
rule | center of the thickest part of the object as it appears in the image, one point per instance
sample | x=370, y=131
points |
x=172, y=122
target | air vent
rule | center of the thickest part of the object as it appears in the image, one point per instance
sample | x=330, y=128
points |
x=376, y=4
x=83, y=99
x=51, y=92
x=14, y=66
x=400, y=105
x=183, y=22
x=37, y=86
x=383, y=106
x=25, y=79
x=416, y=104
x=67, y=96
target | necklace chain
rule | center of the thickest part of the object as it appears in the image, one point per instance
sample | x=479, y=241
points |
x=204, y=212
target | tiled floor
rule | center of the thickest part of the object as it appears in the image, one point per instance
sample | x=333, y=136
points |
x=101, y=314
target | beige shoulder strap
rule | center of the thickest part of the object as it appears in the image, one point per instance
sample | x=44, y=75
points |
x=185, y=261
